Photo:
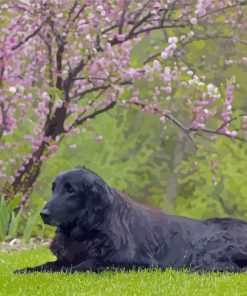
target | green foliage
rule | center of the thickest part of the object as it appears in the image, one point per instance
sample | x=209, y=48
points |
x=9, y=221
x=213, y=182
x=127, y=158
x=31, y=222
x=142, y=283
x=13, y=223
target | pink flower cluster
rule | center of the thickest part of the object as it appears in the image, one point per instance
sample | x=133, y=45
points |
x=202, y=7
x=170, y=49
x=201, y=113
x=227, y=111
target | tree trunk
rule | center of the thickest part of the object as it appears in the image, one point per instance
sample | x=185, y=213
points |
x=182, y=147
x=27, y=175
x=30, y=170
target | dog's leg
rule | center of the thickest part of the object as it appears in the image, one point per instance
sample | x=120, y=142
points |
x=92, y=265
x=47, y=267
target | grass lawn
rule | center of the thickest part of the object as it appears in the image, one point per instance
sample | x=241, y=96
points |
x=107, y=283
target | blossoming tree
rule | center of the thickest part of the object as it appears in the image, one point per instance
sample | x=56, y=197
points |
x=63, y=63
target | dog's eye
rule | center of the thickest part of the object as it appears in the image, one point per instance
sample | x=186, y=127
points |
x=53, y=187
x=69, y=188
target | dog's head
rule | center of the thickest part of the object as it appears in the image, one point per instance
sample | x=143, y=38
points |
x=77, y=195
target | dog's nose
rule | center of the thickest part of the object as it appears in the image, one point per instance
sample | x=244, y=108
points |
x=45, y=213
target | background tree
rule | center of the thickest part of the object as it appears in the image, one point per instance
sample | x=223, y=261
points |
x=64, y=63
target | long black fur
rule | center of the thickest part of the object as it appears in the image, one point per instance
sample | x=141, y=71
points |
x=99, y=228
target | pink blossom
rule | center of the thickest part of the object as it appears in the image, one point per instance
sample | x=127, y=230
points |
x=120, y=37
x=233, y=134
x=193, y=21
x=163, y=119
x=99, y=138
x=45, y=97
x=12, y=161
x=52, y=148
x=202, y=7
x=10, y=122
x=169, y=51
x=133, y=73
x=47, y=139
x=28, y=138
x=59, y=103
x=168, y=89
x=167, y=76
x=164, y=55
x=244, y=59
x=172, y=40
x=226, y=114
x=2, y=175
x=134, y=100
x=121, y=2
x=156, y=65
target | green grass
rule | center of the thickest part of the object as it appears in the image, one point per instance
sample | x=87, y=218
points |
x=107, y=283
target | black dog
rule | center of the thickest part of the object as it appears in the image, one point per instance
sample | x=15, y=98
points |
x=99, y=228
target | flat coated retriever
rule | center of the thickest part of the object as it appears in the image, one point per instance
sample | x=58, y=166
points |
x=99, y=228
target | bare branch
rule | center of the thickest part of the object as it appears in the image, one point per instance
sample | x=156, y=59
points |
x=167, y=115
x=149, y=59
x=213, y=36
x=49, y=56
x=94, y=114
x=120, y=30
x=188, y=130
x=83, y=93
x=71, y=11
x=35, y=32
x=102, y=87
x=238, y=3
x=89, y=78
x=215, y=132
x=172, y=24
x=138, y=24
x=226, y=123
x=79, y=12
x=4, y=117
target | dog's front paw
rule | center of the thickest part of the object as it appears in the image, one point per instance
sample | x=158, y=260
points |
x=24, y=270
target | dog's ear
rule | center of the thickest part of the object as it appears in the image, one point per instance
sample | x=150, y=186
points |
x=101, y=195
x=98, y=199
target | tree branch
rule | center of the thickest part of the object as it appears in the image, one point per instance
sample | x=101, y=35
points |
x=83, y=93
x=241, y=3
x=188, y=130
x=131, y=35
x=102, y=87
x=71, y=11
x=215, y=132
x=79, y=12
x=120, y=30
x=94, y=114
x=4, y=117
x=35, y=32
